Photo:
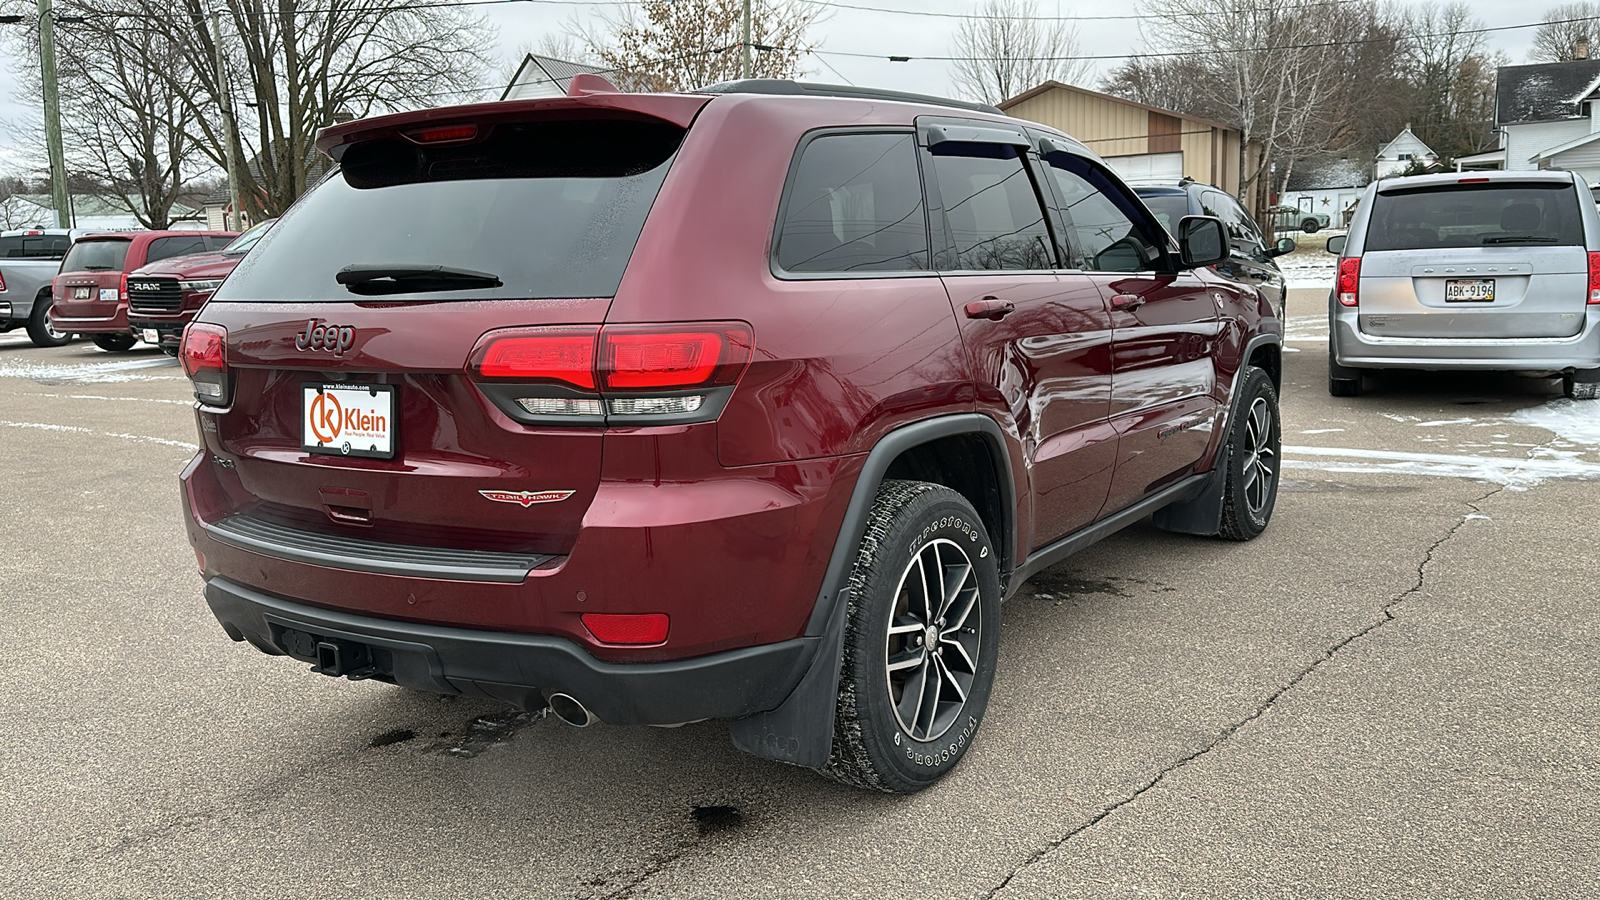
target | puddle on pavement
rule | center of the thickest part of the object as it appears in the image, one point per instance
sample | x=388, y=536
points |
x=397, y=736
x=714, y=819
x=484, y=732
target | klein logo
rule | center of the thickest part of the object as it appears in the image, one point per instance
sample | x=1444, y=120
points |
x=526, y=498
x=327, y=417
x=337, y=338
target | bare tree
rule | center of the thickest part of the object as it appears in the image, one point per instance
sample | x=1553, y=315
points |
x=1182, y=83
x=564, y=47
x=1557, y=40
x=1007, y=49
x=1452, y=74
x=680, y=45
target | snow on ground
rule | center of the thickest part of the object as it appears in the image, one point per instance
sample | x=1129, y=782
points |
x=1308, y=269
x=1515, y=474
x=1577, y=421
x=88, y=373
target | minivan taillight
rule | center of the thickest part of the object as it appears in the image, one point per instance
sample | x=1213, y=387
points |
x=626, y=371
x=1594, y=277
x=1350, y=280
x=205, y=360
x=122, y=289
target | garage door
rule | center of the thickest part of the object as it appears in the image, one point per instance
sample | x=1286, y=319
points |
x=1165, y=168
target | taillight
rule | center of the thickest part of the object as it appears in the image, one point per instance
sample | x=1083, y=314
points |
x=1350, y=279
x=122, y=289
x=630, y=372
x=1594, y=277
x=205, y=360
x=3, y=283
x=643, y=628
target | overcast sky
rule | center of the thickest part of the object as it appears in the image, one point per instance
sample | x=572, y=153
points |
x=845, y=30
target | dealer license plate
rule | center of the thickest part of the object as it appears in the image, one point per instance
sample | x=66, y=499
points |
x=1469, y=290
x=151, y=336
x=348, y=419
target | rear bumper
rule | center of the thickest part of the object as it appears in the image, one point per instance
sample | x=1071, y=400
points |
x=169, y=328
x=1352, y=348
x=113, y=324
x=520, y=668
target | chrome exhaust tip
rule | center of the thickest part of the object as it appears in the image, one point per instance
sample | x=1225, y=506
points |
x=567, y=708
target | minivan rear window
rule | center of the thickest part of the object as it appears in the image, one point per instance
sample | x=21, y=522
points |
x=549, y=209
x=97, y=255
x=1475, y=215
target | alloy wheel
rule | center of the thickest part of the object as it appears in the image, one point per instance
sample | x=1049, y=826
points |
x=934, y=637
x=1261, y=466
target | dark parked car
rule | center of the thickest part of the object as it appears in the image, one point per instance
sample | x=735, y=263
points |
x=752, y=404
x=1250, y=260
x=90, y=295
x=164, y=296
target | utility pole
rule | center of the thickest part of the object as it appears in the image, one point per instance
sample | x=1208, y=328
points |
x=230, y=135
x=52, y=114
x=744, y=64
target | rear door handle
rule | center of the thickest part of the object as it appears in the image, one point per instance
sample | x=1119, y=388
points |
x=1128, y=302
x=992, y=308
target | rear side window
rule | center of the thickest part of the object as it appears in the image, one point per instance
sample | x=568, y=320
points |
x=104, y=255
x=34, y=246
x=168, y=247
x=550, y=209
x=993, y=211
x=1475, y=215
x=855, y=205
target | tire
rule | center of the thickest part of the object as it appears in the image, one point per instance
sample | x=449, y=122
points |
x=1574, y=389
x=40, y=331
x=1254, y=456
x=116, y=343
x=915, y=526
x=1309, y=226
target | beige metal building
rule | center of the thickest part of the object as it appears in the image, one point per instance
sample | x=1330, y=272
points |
x=1142, y=143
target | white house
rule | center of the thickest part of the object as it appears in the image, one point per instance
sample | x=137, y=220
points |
x=544, y=76
x=90, y=213
x=1330, y=186
x=1549, y=116
x=1400, y=154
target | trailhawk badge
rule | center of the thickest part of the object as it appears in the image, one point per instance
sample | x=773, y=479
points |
x=526, y=498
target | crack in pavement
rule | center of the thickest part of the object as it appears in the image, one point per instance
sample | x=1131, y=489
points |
x=1326, y=654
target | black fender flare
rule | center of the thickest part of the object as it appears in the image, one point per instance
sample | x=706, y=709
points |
x=800, y=730
x=1203, y=514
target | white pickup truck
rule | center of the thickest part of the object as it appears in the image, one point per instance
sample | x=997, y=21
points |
x=29, y=260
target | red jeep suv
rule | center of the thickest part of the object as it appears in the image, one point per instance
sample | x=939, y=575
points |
x=749, y=404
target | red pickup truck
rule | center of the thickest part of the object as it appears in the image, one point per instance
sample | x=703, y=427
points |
x=163, y=296
x=90, y=294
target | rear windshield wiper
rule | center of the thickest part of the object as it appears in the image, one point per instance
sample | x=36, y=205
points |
x=1520, y=239
x=408, y=279
x=98, y=268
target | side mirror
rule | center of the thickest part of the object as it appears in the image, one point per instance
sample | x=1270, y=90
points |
x=1336, y=244
x=1201, y=241
x=1283, y=246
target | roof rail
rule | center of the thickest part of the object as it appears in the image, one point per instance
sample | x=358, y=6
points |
x=812, y=89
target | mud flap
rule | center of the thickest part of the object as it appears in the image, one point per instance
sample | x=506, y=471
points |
x=1203, y=514
x=800, y=730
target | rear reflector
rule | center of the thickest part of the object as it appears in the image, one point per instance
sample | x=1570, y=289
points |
x=1349, y=279
x=645, y=628
x=1594, y=277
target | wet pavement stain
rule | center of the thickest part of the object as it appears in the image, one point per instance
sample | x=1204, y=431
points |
x=1051, y=586
x=484, y=732
x=397, y=736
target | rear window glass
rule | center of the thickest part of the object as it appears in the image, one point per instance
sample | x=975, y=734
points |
x=855, y=205
x=1169, y=209
x=34, y=246
x=549, y=209
x=168, y=247
x=994, y=215
x=1475, y=215
x=104, y=255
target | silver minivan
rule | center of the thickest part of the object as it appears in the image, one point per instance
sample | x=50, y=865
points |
x=1488, y=270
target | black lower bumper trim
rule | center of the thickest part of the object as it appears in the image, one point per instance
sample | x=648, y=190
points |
x=520, y=668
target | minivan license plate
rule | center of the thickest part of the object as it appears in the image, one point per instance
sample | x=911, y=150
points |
x=80, y=293
x=348, y=419
x=1469, y=290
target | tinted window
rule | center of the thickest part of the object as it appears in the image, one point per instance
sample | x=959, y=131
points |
x=168, y=247
x=34, y=246
x=1242, y=234
x=1475, y=215
x=101, y=255
x=995, y=218
x=1169, y=209
x=1101, y=215
x=552, y=209
x=855, y=205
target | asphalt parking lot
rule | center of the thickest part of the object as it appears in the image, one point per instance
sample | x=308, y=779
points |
x=1392, y=693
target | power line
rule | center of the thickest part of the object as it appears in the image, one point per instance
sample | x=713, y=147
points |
x=994, y=17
